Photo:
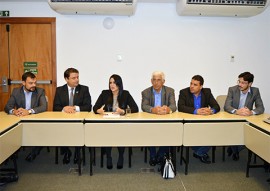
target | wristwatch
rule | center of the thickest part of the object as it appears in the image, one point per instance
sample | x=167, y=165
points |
x=30, y=111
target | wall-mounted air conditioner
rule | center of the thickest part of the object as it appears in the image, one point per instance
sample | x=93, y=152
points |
x=99, y=7
x=238, y=8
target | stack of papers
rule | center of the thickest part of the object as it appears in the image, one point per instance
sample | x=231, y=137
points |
x=111, y=115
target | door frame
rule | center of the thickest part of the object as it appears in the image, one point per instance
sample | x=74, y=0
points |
x=40, y=20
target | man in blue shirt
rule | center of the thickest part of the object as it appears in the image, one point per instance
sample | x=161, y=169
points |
x=198, y=100
x=158, y=99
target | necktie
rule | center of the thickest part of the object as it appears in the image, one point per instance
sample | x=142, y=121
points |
x=71, y=97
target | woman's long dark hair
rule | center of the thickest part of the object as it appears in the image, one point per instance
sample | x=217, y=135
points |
x=118, y=82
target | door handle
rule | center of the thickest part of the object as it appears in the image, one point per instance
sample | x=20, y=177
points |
x=38, y=82
x=4, y=84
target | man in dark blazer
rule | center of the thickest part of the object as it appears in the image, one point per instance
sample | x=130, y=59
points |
x=27, y=100
x=158, y=99
x=240, y=101
x=198, y=100
x=80, y=99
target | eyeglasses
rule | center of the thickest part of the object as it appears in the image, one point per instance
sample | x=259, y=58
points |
x=242, y=82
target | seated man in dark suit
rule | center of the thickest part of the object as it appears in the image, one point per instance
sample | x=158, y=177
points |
x=27, y=100
x=198, y=100
x=158, y=99
x=71, y=98
x=240, y=101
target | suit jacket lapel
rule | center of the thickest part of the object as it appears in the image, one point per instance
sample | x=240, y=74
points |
x=152, y=97
x=191, y=99
x=248, y=98
x=65, y=95
x=203, y=99
x=237, y=97
x=76, y=94
x=163, y=96
x=23, y=97
x=33, y=99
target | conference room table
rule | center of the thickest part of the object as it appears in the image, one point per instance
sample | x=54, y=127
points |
x=219, y=129
x=135, y=130
x=43, y=129
x=54, y=129
x=257, y=139
x=10, y=135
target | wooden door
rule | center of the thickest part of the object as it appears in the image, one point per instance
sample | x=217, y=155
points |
x=27, y=44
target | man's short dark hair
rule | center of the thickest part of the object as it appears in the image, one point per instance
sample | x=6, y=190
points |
x=247, y=76
x=28, y=74
x=198, y=78
x=69, y=71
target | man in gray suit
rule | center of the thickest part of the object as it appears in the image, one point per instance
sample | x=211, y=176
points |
x=158, y=99
x=27, y=100
x=240, y=101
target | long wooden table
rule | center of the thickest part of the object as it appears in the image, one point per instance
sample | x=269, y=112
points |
x=138, y=129
x=44, y=129
x=257, y=139
x=10, y=135
x=220, y=129
x=54, y=129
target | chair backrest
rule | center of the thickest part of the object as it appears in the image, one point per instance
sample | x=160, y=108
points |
x=221, y=101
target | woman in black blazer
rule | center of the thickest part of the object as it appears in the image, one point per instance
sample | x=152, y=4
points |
x=116, y=100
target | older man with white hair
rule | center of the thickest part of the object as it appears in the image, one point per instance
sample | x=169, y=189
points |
x=158, y=99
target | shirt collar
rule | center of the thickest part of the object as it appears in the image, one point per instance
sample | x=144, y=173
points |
x=249, y=91
x=155, y=92
x=200, y=94
x=26, y=92
x=69, y=88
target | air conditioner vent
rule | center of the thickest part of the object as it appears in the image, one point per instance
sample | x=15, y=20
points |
x=228, y=2
x=94, y=7
x=233, y=8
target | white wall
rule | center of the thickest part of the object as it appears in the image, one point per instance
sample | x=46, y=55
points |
x=156, y=38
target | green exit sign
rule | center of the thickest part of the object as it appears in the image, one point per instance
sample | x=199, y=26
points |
x=30, y=64
x=4, y=13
